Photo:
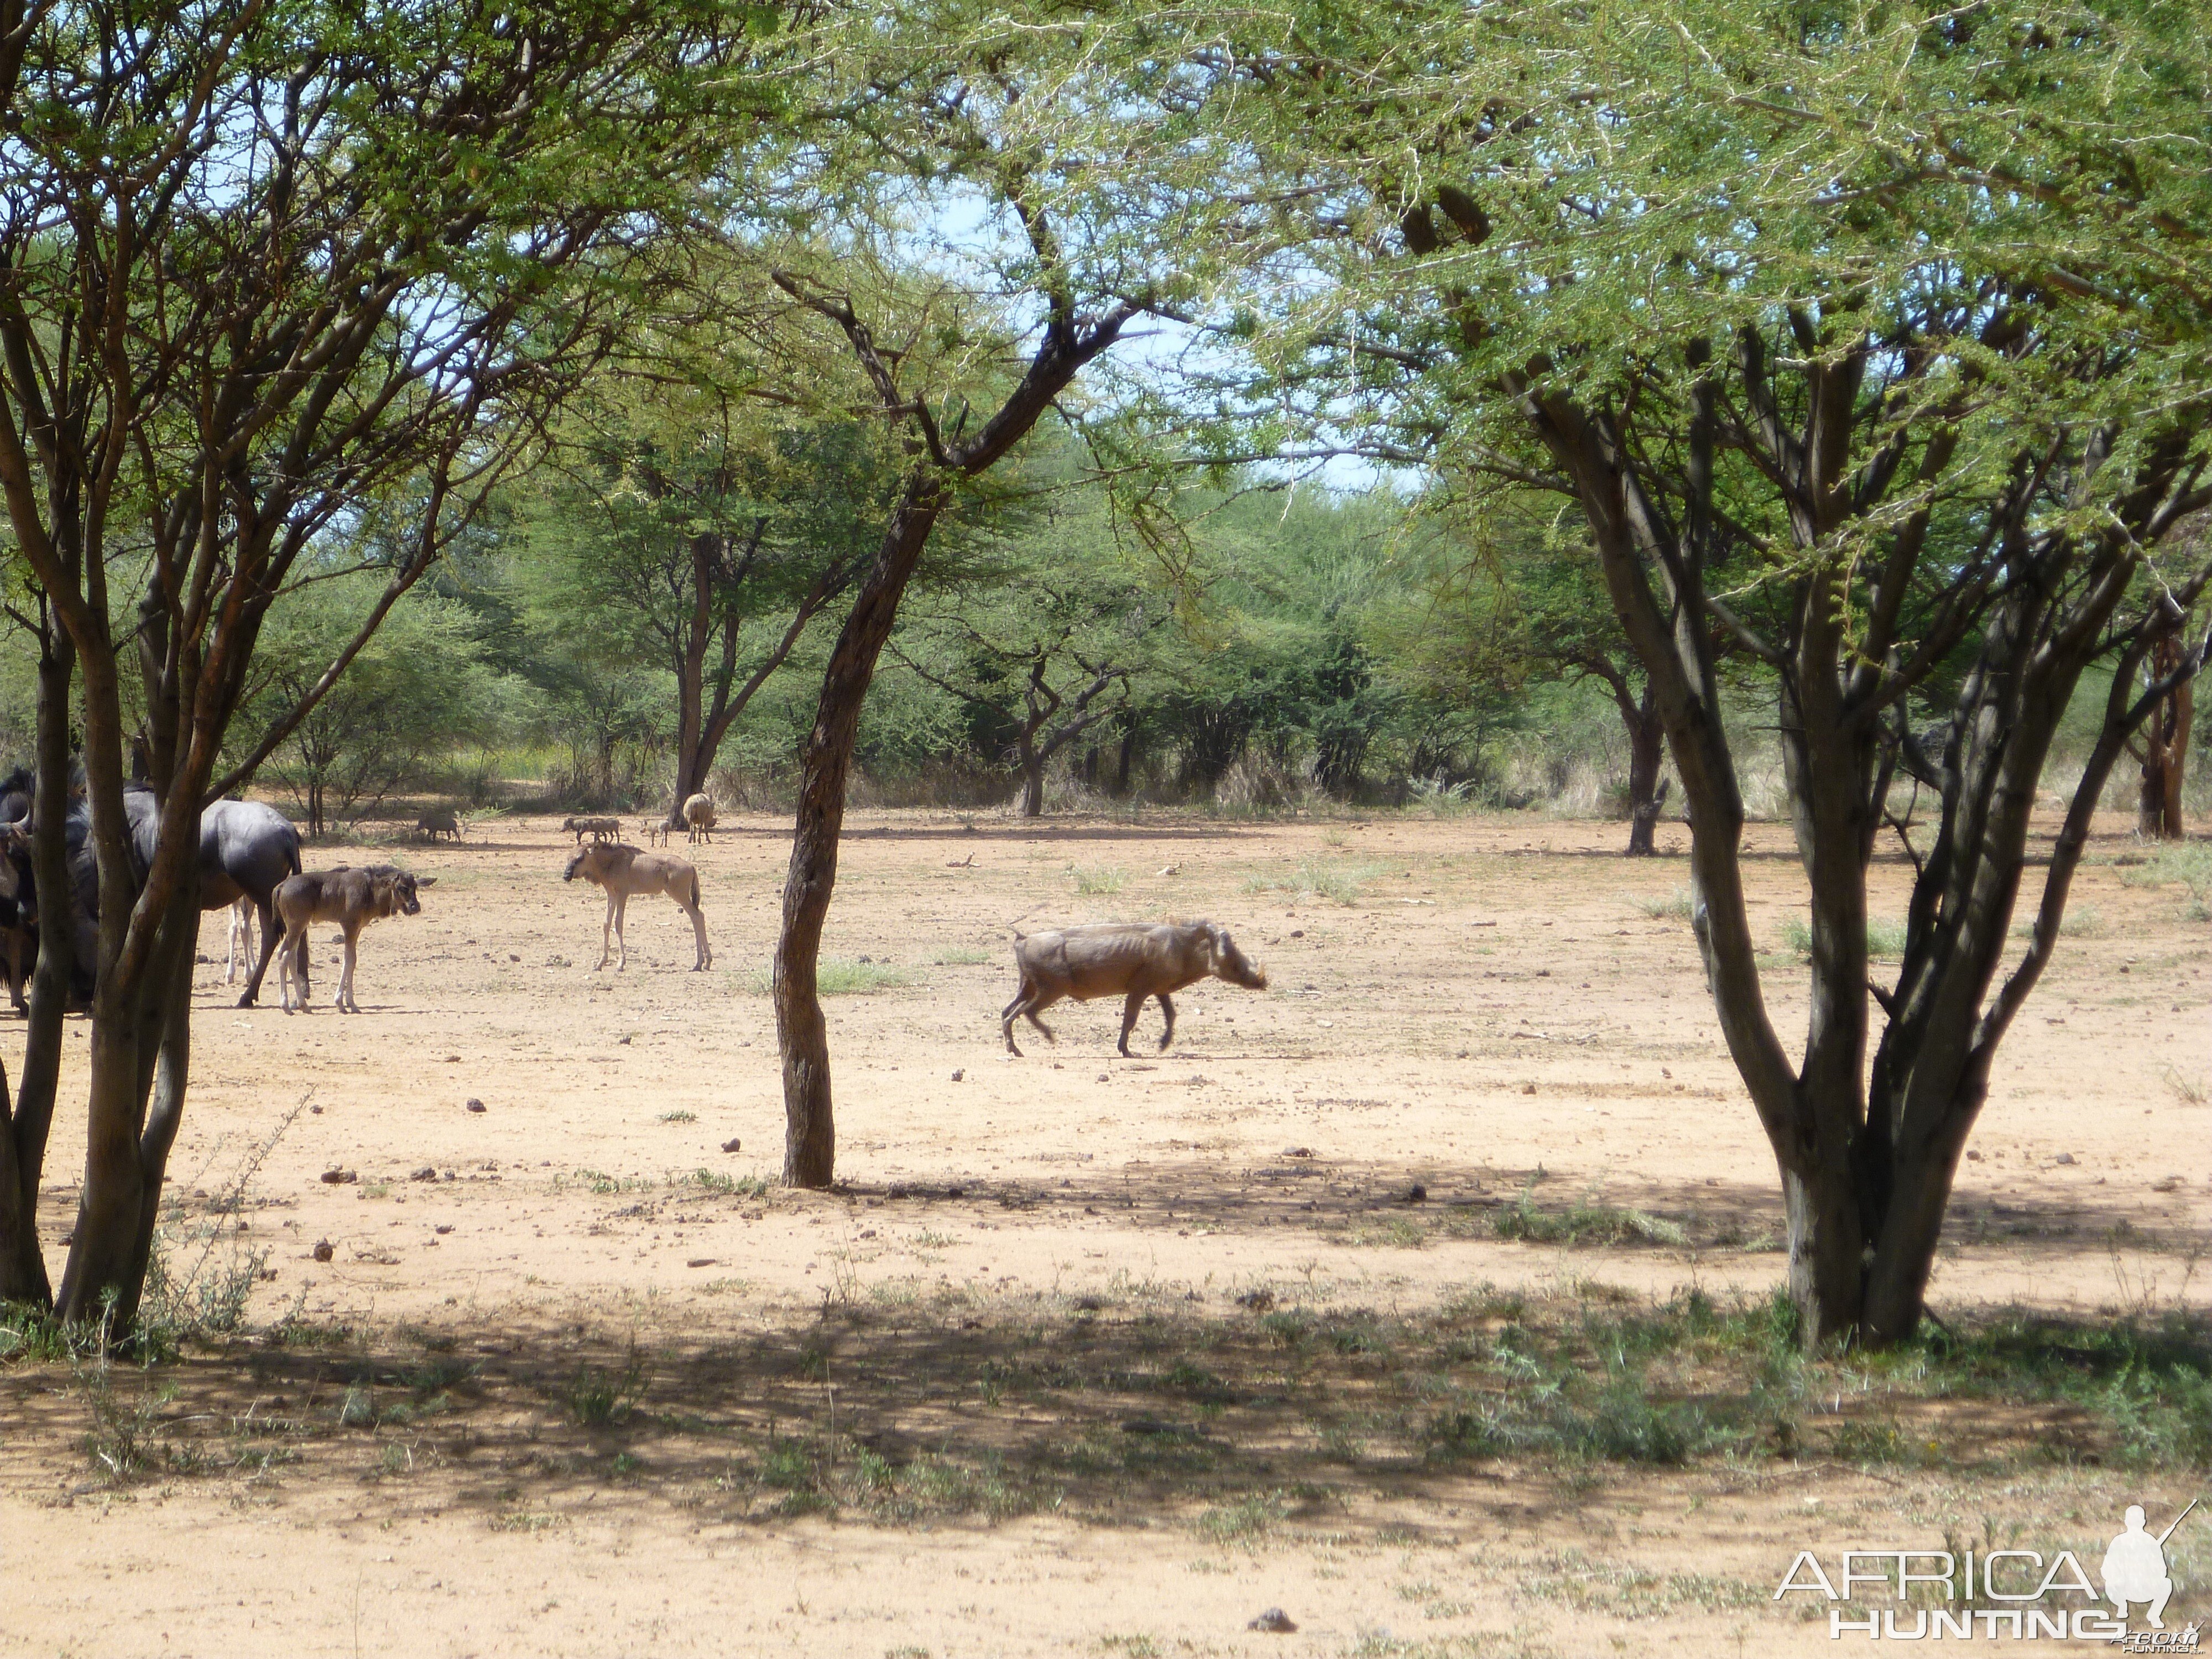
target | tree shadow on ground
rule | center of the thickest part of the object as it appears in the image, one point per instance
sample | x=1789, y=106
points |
x=1130, y=1405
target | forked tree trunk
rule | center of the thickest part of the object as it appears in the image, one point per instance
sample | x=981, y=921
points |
x=141, y=1043
x=1647, y=790
x=1032, y=764
x=2166, y=749
x=809, y=1143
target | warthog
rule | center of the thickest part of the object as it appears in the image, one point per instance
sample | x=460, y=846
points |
x=438, y=821
x=352, y=898
x=626, y=872
x=1133, y=960
x=699, y=814
x=601, y=829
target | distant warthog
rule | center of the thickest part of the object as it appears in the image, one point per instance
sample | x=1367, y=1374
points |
x=699, y=814
x=438, y=821
x=598, y=828
x=1133, y=960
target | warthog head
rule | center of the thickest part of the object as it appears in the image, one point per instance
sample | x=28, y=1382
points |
x=1231, y=963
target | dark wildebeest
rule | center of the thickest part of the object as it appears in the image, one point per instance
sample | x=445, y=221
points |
x=624, y=872
x=352, y=898
x=20, y=945
x=246, y=849
x=1133, y=960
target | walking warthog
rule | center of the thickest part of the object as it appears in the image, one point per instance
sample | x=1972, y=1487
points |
x=1133, y=960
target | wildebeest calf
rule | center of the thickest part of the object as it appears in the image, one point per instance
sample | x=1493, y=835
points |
x=625, y=872
x=1133, y=960
x=352, y=898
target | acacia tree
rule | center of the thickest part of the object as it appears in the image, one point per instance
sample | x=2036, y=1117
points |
x=1874, y=342
x=709, y=531
x=1044, y=652
x=260, y=259
x=1007, y=123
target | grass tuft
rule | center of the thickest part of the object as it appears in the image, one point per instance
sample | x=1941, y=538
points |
x=841, y=977
x=1101, y=878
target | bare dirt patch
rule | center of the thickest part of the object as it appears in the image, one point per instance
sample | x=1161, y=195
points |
x=1084, y=1354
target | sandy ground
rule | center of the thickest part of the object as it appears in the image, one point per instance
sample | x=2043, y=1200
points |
x=1485, y=1007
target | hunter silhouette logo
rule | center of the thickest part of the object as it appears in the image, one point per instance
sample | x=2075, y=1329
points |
x=2003, y=1594
x=2134, y=1566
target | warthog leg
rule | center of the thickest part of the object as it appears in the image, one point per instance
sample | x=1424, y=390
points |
x=1023, y=1006
x=1167, y=1009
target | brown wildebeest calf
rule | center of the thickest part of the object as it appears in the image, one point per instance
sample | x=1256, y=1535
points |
x=352, y=898
x=624, y=872
x=1133, y=960
x=699, y=814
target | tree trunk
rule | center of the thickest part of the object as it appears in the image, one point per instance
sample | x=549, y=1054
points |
x=1032, y=780
x=810, y=1145
x=141, y=1035
x=2166, y=748
x=22, y=1161
x=1647, y=791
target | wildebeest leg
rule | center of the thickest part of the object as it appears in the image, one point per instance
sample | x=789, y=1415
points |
x=15, y=972
x=271, y=935
x=1132, y=1006
x=606, y=927
x=704, y=958
x=622, y=944
x=292, y=970
x=345, y=977
x=1167, y=1008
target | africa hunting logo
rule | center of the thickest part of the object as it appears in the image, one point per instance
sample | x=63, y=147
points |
x=2013, y=1585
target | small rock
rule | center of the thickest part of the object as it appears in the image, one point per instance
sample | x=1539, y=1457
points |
x=956, y=1192
x=731, y=1145
x=867, y=959
x=700, y=1261
x=1974, y=1157
x=476, y=1105
x=315, y=1110
x=426, y=1173
x=1417, y=1194
x=1528, y=1087
x=1104, y=1076
x=622, y=1041
x=511, y=957
x=442, y=1230
x=1297, y=1151
x=1257, y=1301
x=959, y=1075
x=2063, y=1157
x=338, y=1177
x=1297, y=933
x=1170, y=869
x=323, y=1251
x=1275, y=1620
